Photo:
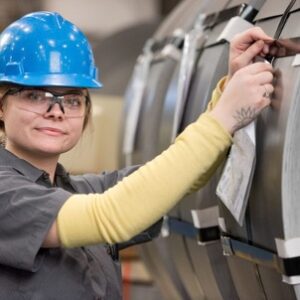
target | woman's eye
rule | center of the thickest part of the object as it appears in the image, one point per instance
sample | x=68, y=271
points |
x=33, y=96
x=73, y=102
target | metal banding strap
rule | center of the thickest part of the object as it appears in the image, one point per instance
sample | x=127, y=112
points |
x=187, y=229
x=175, y=39
x=243, y=10
x=282, y=48
x=289, y=267
x=181, y=227
x=250, y=11
x=248, y=252
x=171, y=48
x=169, y=51
x=239, y=18
x=278, y=31
x=284, y=19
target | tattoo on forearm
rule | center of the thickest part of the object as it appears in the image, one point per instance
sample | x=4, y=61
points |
x=244, y=116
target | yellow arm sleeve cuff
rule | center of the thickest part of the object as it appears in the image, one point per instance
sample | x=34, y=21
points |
x=143, y=197
x=216, y=94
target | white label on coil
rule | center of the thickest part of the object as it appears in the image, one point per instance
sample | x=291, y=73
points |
x=234, y=26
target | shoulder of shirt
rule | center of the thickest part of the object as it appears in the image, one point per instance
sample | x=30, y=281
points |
x=11, y=163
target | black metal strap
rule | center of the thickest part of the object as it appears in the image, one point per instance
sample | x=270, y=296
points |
x=281, y=42
x=249, y=252
x=245, y=11
x=157, y=45
x=187, y=229
x=181, y=227
x=284, y=19
x=260, y=256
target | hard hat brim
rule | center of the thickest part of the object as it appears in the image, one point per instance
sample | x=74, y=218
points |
x=70, y=80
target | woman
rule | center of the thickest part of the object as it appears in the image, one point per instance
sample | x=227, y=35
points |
x=49, y=221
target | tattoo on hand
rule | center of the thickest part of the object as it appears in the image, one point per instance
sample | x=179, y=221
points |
x=244, y=116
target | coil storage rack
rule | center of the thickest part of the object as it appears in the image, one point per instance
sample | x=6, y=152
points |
x=170, y=87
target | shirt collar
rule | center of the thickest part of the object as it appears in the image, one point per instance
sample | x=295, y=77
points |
x=25, y=168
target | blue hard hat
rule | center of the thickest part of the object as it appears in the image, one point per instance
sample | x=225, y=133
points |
x=44, y=49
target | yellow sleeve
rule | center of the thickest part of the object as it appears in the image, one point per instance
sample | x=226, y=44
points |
x=216, y=94
x=146, y=195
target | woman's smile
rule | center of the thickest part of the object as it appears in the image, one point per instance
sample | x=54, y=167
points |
x=52, y=131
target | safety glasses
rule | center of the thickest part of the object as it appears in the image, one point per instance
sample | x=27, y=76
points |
x=41, y=101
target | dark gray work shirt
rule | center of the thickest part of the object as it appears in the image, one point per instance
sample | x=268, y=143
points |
x=28, y=206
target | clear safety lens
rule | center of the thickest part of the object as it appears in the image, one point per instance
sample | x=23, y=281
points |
x=42, y=101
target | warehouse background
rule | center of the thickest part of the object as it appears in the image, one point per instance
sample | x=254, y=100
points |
x=136, y=117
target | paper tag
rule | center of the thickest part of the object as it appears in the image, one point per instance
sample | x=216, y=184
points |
x=236, y=180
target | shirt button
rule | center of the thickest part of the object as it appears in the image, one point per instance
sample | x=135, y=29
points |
x=45, y=175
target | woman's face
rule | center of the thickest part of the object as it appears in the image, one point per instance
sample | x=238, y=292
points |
x=30, y=131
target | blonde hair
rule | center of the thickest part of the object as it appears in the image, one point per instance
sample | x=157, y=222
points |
x=3, y=90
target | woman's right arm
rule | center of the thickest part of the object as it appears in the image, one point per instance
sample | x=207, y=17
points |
x=146, y=195
x=143, y=197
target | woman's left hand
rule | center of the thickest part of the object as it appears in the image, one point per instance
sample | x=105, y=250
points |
x=246, y=95
x=245, y=47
